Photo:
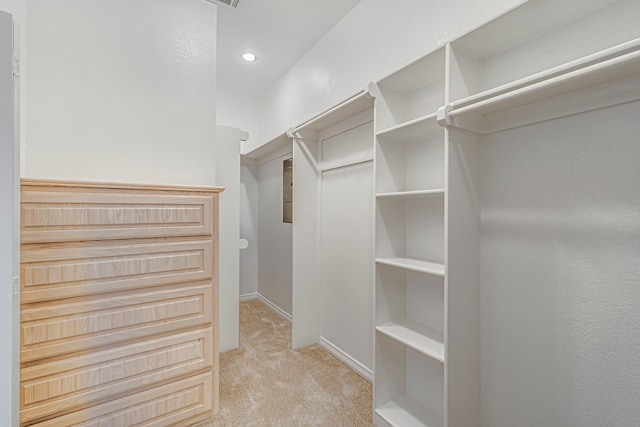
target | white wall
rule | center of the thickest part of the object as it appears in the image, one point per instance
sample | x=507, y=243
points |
x=274, y=237
x=9, y=237
x=560, y=291
x=18, y=8
x=237, y=111
x=249, y=213
x=376, y=38
x=346, y=245
x=122, y=91
x=228, y=176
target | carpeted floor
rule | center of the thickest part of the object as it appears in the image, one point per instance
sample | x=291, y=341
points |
x=265, y=383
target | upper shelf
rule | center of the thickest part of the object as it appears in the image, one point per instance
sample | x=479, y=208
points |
x=414, y=92
x=421, y=128
x=612, y=64
x=358, y=103
x=530, y=55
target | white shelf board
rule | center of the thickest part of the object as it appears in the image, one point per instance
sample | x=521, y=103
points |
x=413, y=265
x=601, y=56
x=420, y=128
x=421, y=338
x=596, y=73
x=403, y=411
x=358, y=103
x=411, y=194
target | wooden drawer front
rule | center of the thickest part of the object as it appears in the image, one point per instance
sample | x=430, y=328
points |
x=50, y=216
x=81, y=381
x=48, y=274
x=170, y=404
x=53, y=330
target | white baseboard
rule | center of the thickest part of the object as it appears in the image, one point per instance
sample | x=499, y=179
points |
x=365, y=372
x=275, y=308
x=248, y=297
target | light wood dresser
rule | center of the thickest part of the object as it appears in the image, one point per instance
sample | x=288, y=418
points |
x=118, y=304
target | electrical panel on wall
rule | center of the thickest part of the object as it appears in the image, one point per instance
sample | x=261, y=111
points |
x=287, y=191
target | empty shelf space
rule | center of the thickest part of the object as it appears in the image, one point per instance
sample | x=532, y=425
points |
x=404, y=411
x=587, y=61
x=410, y=194
x=420, y=128
x=417, y=336
x=595, y=74
x=541, y=45
x=413, y=265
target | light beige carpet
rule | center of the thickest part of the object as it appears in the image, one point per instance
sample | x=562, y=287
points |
x=265, y=383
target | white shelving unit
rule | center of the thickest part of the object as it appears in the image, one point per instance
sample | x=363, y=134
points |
x=542, y=60
x=410, y=246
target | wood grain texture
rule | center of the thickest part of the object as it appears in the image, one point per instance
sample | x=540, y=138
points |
x=65, y=272
x=118, y=304
x=86, y=379
x=170, y=404
x=48, y=331
x=71, y=216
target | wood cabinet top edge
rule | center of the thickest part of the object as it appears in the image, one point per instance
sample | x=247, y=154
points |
x=30, y=183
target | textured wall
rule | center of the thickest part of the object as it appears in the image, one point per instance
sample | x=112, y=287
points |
x=274, y=238
x=375, y=39
x=560, y=273
x=249, y=229
x=122, y=90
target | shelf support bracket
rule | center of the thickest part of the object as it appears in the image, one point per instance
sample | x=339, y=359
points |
x=442, y=116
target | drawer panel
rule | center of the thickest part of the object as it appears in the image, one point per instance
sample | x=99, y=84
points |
x=53, y=330
x=171, y=404
x=81, y=381
x=55, y=273
x=60, y=216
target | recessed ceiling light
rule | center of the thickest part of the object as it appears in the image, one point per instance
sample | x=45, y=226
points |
x=249, y=57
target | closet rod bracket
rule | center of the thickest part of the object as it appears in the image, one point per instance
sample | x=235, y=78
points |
x=442, y=116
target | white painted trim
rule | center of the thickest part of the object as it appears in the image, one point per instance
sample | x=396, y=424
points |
x=249, y=297
x=275, y=308
x=364, y=372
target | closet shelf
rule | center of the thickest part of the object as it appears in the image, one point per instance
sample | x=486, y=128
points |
x=611, y=64
x=358, y=103
x=422, y=338
x=411, y=194
x=601, y=56
x=415, y=129
x=403, y=411
x=413, y=265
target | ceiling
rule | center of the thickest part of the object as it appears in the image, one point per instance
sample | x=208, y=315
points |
x=278, y=32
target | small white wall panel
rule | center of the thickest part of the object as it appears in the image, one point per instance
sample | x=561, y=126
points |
x=228, y=176
x=306, y=196
x=9, y=224
x=275, y=238
x=346, y=259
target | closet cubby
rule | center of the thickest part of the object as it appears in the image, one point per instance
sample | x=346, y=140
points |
x=413, y=311
x=541, y=50
x=411, y=233
x=410, y=160
x=411, y=94
x=411, y=392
